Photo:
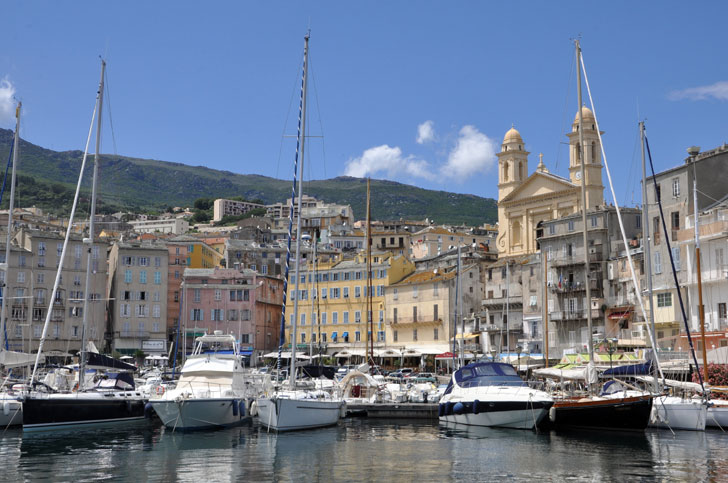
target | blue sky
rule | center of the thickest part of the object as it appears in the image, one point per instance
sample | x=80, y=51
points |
x=418, y=92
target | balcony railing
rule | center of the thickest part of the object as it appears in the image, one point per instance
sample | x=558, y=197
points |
x=413, y=320
x=132, y=334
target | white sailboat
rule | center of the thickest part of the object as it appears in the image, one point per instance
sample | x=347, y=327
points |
x=289, y=408
x=11, y=413
x=668, y=412
x=115, y=399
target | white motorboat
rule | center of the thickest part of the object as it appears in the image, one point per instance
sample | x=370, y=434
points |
x=211, y=391
x=492, y=394
x=293, y=410
x=675, y=412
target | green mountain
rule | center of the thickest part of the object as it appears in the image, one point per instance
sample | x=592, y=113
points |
x=148, y=185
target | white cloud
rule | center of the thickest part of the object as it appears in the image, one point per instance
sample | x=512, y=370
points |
x=7, y=103
x=719, y=91
x=390, y=161
x=425, y=132
x=474, y=152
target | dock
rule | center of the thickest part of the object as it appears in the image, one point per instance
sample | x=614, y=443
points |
x=393, y=410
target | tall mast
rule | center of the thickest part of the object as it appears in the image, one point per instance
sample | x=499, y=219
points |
x=370, y=321
x=6, y=291
x=508, y=307
x=646, y=238
x=581, y=152
x=311, y=291
x=302, y=143
x=89, y=242
x=460, y=309
x=62, y=256
x=701, y=309
x=544, y=309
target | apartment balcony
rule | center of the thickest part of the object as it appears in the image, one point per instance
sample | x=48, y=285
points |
x=512, y=327
x=574, y=260
x=567, y=287
x=419, y=321
x=562, y=315
x=498, y=303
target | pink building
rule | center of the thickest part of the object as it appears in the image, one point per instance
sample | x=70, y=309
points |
x=236, y=301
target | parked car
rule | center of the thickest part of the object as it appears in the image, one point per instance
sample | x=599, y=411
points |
x=423, y=377
x=401, y=374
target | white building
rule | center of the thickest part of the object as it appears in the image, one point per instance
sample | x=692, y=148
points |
x=170, y=225
x=223, y=207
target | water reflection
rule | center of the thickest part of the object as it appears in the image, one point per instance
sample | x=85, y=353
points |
x=361, y=450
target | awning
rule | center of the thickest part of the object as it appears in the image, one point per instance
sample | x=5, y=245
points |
x=346, y=353
x=334, y=335
x=430, y=349
x=467, y=336
x=387, y=353
x=620, y=315
x=444, y=355
x=345, y=334
x=411, y=353
x=284, y=355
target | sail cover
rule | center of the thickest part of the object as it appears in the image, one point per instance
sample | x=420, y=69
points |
x=17, y=359
x=100, y=361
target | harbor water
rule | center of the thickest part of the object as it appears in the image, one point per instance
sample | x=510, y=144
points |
x=360, y=450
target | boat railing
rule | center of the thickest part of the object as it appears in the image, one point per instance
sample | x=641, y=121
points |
x=203, y=390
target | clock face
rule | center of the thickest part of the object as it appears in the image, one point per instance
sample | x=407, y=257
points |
x=578, y=175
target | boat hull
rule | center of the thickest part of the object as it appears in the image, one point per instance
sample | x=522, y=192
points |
x=11, y=412
x=193, y=414
x=56, y=411
x=717, y=414
x=625, y=414
x=284, y=414
x=507, y=414
x=675, y=413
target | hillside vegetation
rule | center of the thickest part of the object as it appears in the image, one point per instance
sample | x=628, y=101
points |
x=147, y=185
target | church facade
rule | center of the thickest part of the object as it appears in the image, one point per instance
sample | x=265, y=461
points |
x=525, y=201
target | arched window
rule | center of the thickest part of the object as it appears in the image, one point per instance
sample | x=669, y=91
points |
x=520, y=171
x=594, y=155
x=505, y=172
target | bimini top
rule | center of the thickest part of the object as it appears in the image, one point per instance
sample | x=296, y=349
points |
x=488, y=374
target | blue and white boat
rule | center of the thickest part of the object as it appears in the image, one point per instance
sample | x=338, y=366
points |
x=492, y=394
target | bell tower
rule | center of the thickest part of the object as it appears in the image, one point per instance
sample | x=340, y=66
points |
x=512, y=163
x=592, y=153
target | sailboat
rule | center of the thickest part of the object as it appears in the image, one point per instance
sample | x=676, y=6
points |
x=290, y=408
x=668, y=411
x=113, y=399
x=12, y=407
x=620, y=411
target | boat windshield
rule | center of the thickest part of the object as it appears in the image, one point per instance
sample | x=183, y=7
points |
x=488, y=374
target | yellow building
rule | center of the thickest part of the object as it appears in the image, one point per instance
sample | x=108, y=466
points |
x=524, y=201
x=339, y=296
x=419, y=311
x=202, y=255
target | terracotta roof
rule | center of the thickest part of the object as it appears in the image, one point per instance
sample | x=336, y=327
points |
x=428, y=276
